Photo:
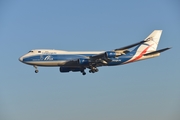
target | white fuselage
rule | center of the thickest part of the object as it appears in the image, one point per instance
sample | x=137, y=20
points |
x=48, y=57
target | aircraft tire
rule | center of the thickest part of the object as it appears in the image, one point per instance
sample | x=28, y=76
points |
x=36, y=71
x=96, y=70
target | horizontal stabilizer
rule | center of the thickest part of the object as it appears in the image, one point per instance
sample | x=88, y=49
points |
x=158, y=51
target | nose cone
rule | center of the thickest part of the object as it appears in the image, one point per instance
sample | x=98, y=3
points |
x=21, y=59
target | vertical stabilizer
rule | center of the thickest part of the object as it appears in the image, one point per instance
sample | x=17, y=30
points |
x=153, y=39
x=152, y=42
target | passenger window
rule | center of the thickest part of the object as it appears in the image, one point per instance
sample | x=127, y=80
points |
x=39, y=51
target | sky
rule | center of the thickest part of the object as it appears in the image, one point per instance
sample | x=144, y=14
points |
x=145, y=90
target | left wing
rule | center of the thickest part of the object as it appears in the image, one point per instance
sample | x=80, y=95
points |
x=103, y=57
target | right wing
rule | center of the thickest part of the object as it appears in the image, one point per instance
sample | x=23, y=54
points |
x=158, y=51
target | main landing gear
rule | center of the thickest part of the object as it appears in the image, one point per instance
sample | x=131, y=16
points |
x=83, y=72
x=93, y=70
x=36, y=70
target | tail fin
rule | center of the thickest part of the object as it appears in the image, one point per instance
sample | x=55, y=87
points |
x=151, y=44
x=153, y=39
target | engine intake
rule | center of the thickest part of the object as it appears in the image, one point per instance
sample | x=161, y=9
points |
x=110, y=54
x=82, y=61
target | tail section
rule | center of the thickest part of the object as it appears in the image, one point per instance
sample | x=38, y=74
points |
x=153, y=40
x=151, y=44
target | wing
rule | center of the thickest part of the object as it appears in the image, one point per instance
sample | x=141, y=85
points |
x=158, y=51
x=72, y=63
x=102, y=58
x=116, y=52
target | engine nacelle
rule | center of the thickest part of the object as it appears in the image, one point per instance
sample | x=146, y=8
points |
x=110, y=54
x=68, y=69
x=82, y=61
x=64, y=69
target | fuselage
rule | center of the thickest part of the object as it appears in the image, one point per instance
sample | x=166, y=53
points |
x=48, y=57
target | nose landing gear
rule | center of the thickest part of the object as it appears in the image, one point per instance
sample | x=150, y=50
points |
x=36, y=70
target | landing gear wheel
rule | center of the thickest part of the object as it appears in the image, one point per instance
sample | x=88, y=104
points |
x=93, y=70
x=83, y=73
x=96, y=70
x=36, y=71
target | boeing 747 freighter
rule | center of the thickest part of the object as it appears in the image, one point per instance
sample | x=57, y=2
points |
x=79, y=61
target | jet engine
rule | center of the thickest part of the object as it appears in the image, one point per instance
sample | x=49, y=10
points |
x=68, y=69
x=110, y=54
x=82, y=61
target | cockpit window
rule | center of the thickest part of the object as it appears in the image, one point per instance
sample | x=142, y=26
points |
x=30, y=51
x=39, y=51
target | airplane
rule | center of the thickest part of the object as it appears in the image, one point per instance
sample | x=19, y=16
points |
x=79, y=61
